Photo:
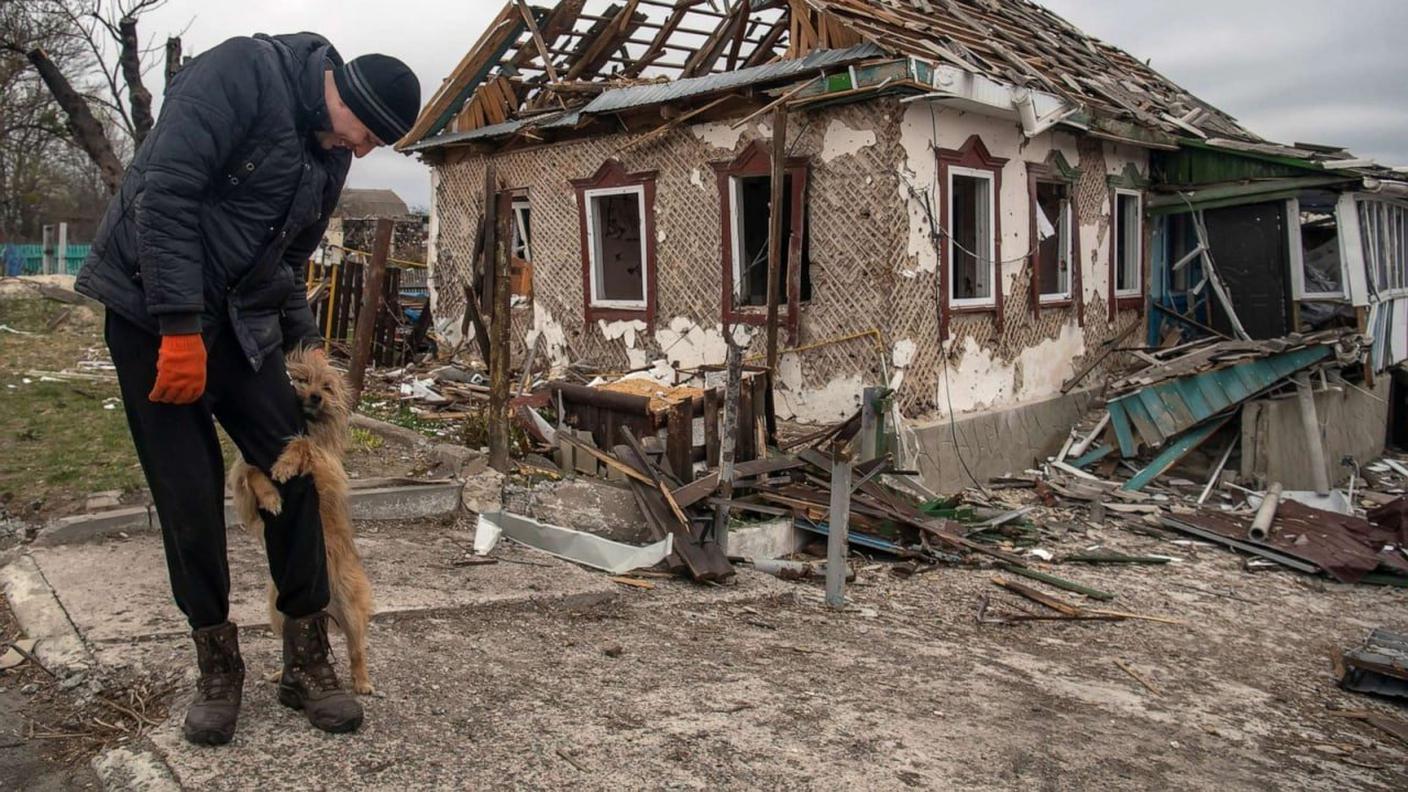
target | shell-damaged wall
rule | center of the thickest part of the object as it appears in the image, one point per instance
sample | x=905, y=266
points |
x=873, y=316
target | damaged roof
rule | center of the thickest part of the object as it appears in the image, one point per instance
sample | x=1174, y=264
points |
x=561, y=65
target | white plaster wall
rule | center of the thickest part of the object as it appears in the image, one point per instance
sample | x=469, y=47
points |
x=977, y=377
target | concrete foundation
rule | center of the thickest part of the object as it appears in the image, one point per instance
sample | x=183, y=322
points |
x=996, y=442
x=1353, y=422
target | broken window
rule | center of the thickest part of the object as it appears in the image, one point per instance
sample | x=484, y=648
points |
x=1129, y=243
x=751, y=223
x=522, y=230
x=1054, y=235
x=972, y=241
x=1321, y=263
x=1383, y=230
x=616, y=241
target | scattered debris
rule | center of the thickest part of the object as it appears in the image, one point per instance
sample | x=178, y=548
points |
x=1379, y=667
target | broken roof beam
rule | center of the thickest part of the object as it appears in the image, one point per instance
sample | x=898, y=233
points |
x=661, y=42
x=598, y=44
x=708, y=54
x=476, y=65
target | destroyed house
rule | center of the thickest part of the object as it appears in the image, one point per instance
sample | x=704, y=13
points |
x=972, y=207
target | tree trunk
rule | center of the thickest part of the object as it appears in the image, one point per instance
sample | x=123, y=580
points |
x=86, y=130
x=138, y=97
x=173, y=58
x=502, y=325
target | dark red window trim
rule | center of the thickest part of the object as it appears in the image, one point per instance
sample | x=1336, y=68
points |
x=1044, y=174
x=974, y=155
x=612, y=174
x=756, y=160
x=1132, y=302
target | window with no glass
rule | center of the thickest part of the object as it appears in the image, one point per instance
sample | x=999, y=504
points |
x=617, y=246
x=751, y=224
x=1129, y=246
x=1054, y=232
x=972, y=239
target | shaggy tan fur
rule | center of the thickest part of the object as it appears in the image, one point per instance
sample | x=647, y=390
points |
x=326, y=406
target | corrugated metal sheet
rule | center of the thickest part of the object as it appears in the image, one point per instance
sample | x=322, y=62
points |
x=1159, y=413
x=500, y=130
x=660, y=93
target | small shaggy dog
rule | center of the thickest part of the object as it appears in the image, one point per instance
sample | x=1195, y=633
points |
x=326, y=408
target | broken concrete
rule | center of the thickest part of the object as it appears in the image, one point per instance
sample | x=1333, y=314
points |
x=584, y=504
x=1352, y=421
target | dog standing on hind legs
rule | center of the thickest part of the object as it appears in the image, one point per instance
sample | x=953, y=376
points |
x=323, y=396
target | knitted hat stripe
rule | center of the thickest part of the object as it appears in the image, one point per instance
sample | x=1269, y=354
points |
x=373, y=102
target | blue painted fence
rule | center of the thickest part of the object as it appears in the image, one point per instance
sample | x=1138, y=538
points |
x=29, y=259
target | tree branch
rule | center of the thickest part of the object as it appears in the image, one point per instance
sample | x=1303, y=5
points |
x=84, y=127
x=138, y=97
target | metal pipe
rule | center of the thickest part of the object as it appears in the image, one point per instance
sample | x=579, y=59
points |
x=1310, y=424
x=1265, y=514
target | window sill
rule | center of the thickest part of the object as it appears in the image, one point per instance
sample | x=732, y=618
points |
x=973, y=309
x=1126, y=302
x=613, y=314
x=754, y=315
x=1055, y=301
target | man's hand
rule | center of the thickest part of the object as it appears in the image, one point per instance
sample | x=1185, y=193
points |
x=180, y=370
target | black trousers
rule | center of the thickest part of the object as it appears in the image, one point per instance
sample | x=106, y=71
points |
x=180, y=455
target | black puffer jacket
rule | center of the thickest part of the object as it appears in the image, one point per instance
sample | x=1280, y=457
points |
x=226, y=199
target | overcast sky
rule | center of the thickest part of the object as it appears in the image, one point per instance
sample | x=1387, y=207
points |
x=1290, y=70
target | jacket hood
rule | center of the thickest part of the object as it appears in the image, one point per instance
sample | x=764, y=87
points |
x=305, y=56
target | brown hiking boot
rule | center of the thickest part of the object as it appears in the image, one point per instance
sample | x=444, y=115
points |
x=212, y=715
x=309, y=682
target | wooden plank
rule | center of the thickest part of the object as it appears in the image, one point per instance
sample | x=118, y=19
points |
x=713, y=401
x=705, y=560
x=371, y=304
x=679, y=442
x=1172, y=455
x=775, y=226
x=1058, y=582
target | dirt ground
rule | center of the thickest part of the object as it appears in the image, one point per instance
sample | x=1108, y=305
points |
x=756, y=685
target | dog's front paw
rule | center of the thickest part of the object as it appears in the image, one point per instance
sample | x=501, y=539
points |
x=265, y=494
x=296, y=460
x=364, y=688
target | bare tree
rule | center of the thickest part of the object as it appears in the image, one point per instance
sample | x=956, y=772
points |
x=89, y=55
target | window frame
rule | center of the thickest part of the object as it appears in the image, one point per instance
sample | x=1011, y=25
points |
x=517, y=207
x=1125, y=296
x=613, y=179
x=756, y=160
x=990, y=301
x=972, y=157
x=594, y=248
x=1296, y=245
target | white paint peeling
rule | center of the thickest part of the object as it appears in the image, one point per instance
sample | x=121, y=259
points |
x=696, y=177
x=1046, y=366
x=623, y=328
x=832, y=402
x=919, y=171
x=841, y=140
x=717, y=135
x=688, y=345
x=554, y=341
x=901, y=357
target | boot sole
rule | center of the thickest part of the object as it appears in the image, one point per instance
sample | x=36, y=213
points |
x=289, y=698
x=207, y=737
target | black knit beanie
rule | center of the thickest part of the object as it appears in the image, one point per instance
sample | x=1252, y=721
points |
x=382, y=92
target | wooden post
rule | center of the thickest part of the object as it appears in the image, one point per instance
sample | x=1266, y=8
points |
x=1310, y=424
x=729, y=439
x=868, y=424
x=499, y=334
x=838, y=538
x=775, y=225
x=372, y=280
x=487, y=261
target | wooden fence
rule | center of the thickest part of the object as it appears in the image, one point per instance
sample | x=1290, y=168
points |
x=335, y=295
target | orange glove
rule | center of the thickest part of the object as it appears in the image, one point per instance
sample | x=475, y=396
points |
x=180, y=370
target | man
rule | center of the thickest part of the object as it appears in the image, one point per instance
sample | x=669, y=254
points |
x=200, y=260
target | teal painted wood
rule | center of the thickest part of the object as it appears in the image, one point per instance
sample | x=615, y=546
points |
x=1175, y=452
x=1094, y=455
x=32, y=259
x=1124, y=433
x=1160, y=412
